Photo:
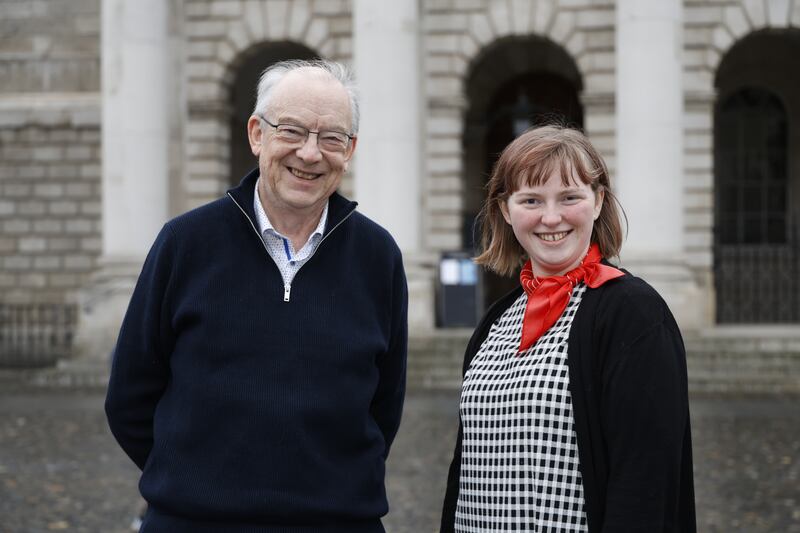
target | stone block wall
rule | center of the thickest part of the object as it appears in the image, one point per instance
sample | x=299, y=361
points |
x=219, y=35
x=455, y=34
x=50, y=185
x=711, y=29
x=49, y=46
x=50, y=198
x=50, y=208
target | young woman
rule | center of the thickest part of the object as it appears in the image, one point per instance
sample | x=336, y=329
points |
x=574, y=410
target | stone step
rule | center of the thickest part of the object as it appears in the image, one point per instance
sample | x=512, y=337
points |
x=66, y=374
x=720, y=360
x=748, y=359
x=435, y=358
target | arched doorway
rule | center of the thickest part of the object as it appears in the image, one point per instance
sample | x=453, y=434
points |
x=514, y=84
x=757, y=181
x=243, y=96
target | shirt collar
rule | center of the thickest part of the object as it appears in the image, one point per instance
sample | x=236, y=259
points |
x=265, y=225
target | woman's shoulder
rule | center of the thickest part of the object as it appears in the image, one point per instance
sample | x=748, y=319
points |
x=632, y=287
x=628, y=312
x=632, y=299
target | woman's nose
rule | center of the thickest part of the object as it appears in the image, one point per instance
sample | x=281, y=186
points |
x=551, y=216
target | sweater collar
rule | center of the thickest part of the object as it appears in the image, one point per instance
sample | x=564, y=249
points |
x=243, y=194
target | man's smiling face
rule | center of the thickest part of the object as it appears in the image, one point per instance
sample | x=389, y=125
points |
x=298, y=179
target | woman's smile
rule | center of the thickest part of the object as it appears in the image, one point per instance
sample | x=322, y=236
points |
x=553, y=237
x=553, y=222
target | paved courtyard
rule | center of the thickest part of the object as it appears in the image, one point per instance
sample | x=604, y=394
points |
x=60, y=469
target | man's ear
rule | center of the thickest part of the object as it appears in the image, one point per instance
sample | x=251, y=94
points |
x=350, y=151
x=255, y=134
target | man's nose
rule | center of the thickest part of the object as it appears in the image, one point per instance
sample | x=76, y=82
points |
x=309, y=151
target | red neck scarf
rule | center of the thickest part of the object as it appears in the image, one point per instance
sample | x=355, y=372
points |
x=548, y=297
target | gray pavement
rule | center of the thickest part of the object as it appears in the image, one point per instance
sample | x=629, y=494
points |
x=60, y=469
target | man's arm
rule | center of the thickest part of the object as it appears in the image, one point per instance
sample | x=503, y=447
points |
x=387, y=404
x=140, y=367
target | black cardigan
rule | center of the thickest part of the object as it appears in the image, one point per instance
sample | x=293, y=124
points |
x=627, y=369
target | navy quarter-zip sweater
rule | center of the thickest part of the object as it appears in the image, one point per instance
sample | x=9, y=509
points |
x=247, y=413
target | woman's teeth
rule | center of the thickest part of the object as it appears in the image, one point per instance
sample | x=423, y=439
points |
x=552, y=237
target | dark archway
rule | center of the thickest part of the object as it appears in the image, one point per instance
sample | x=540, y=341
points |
x=757, y=181
x=514, y=83
x=243, y=96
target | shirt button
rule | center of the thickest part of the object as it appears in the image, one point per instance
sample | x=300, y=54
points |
x=292, y=262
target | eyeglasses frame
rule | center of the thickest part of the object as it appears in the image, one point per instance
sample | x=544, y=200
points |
x=349, y=137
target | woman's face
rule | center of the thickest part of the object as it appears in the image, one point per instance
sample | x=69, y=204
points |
x=553, y=222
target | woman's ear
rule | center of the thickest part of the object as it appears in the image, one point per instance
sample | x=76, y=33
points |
x=504, y=209
x=599, y=196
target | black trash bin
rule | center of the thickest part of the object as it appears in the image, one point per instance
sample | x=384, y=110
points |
x=458, y=291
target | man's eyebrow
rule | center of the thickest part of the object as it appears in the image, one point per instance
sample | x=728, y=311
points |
x=294, y=120
x=284, y=118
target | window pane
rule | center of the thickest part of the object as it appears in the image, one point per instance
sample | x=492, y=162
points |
x=776, y=230
x=776, y=165
x=726, y=230
x=751, y=167
x=728, y=200
x=753, y=200
x=776, y=199
x=752, y=229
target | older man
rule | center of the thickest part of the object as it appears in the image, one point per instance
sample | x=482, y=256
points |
x=259, y=374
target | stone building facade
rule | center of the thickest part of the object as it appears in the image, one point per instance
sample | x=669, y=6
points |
x=50, y=185
x=445, y=83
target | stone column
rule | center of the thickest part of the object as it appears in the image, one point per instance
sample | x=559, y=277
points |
x=135, y=161
x=649, y=181
x=387, y=163
x=386, y=53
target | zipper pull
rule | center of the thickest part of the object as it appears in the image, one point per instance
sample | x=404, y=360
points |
x=286, y=290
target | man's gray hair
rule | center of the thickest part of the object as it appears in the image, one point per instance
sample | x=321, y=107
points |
x=273, y=74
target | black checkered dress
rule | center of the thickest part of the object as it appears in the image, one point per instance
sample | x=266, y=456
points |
x=519, y=459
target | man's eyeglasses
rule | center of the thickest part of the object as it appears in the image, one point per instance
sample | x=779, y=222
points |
x=327, y=140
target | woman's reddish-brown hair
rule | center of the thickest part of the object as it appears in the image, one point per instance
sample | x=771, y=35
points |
x=531, y=159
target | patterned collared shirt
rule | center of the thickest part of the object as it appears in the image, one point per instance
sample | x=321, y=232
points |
x=520, y=469
x=280, y=248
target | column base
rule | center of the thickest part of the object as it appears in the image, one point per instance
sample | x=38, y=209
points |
x=101, y=308
x=675, y=282
x=420, y=273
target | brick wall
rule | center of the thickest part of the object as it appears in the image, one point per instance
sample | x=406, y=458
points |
x=49, y=147
x=49, y=221
x=49, y=172
x=456, y=34
x=49, y=46
x=220, y=34
x=711, y=29
x=49, y=197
